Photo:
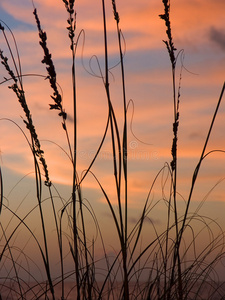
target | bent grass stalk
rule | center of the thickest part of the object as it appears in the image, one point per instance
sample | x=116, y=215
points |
x=165, y=257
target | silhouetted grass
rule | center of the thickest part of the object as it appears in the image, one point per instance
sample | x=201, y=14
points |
x=169, y=265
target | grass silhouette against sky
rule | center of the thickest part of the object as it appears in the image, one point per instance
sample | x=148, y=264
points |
x=198, y=32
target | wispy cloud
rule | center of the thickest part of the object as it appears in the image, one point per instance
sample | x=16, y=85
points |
x=218, y=37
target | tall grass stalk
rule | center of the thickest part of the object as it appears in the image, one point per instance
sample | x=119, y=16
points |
x=176, y=98
x=71, y=29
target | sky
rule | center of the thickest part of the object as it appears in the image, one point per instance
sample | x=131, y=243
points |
x=198, y=28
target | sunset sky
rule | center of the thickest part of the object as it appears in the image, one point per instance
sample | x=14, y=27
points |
x=198, y=28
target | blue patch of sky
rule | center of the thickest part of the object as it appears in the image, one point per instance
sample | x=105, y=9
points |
x=147, y=60
x=13, y=23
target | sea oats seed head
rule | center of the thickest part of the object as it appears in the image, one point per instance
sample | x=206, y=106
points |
x=169, y=44
x=116, y=14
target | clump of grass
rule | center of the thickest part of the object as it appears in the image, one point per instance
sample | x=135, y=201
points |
x=168, y=265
